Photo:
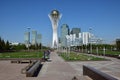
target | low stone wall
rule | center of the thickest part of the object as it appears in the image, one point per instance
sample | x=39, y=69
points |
x=24, y=70
x=96, y=74
x=32, y=71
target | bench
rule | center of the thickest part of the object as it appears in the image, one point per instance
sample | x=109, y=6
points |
x=118, y=56
x=14, y=61
x=25, y=61
x=21, y=61
x=96, y=74
x=33, y=69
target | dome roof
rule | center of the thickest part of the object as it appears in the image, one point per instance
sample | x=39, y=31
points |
x=55, y=13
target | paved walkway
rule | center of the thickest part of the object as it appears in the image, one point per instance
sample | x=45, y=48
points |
x=9, y=71
x=58, y=69
x=111, y=67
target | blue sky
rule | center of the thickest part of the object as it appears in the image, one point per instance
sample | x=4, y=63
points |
x=16, y=15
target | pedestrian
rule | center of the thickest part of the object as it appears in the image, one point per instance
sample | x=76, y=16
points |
x=48, y=52
x=44, y=55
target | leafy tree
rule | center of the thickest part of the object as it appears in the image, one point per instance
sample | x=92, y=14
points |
x=32, y=47
x=0, y=43
x=36, y=46
x=7, y=46
x=19, y=47
x=3, y=45
x=118, y=44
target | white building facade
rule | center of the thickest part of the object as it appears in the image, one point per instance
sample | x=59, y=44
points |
x=84, y=38
x=34, y=37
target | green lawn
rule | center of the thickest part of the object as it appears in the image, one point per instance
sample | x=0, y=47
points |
x=21, y=55
x=108, y=52
x=79, y=57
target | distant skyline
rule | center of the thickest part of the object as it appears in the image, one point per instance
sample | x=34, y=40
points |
x=103, y=16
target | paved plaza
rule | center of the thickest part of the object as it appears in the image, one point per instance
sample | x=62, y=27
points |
x=58, y=69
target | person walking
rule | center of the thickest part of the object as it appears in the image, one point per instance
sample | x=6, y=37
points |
x=48, y=53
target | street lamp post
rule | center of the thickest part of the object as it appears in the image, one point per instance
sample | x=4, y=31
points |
x=68, y=45
x=104, y=52
x=91, y=48
x=82, y=48
x=90, y=30
x=40, y=44
x=97, y=41
x=28, y=42
x=86, y=49
x=97, y=50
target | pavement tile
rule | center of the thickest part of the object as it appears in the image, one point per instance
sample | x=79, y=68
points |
x=58, y=69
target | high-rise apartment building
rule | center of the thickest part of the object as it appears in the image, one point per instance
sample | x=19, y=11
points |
x=39, y=37
x=27, y=37
x=34, y=37
x=64, y=32
x=76, y=31
x=85, y=37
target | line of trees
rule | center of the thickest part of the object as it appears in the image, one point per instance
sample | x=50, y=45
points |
x=94, y=46
x=101, y=46
x=36, y=47
x=118, y=44
x=23, y=47
x=4, y=45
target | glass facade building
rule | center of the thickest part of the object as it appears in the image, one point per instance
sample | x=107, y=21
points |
x=64, y=32
x=76, y=31
x=39, y=37
x=34, y=37
x=27, y=37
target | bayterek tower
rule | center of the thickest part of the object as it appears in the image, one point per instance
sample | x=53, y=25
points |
x=54, y=18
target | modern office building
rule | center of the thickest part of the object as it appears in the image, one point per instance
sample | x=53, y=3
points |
x=89, y=38
x=54, y=18
x=76, y=31
x=34, y=37
x=27, y=37
x=72, y=40
x=85, y=38
x=39, y=37
x=64, y=32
